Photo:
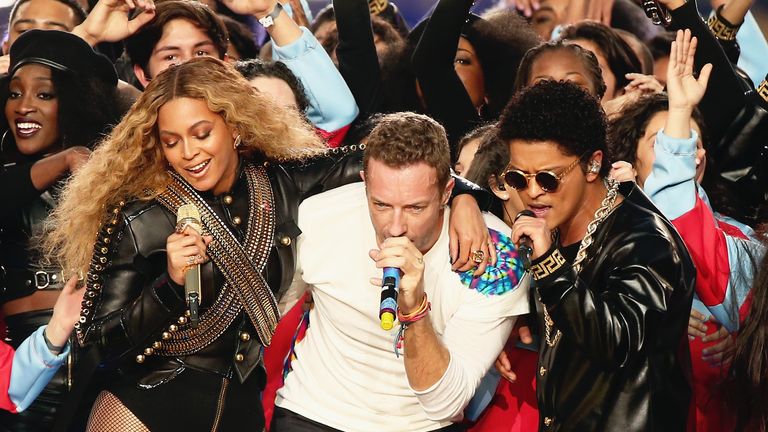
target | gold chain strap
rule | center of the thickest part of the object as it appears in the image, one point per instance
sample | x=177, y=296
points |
x=600, y=214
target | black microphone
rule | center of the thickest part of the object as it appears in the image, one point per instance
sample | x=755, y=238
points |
x=189, y=215
x=524, y=242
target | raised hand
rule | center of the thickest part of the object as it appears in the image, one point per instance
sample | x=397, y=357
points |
x=685, y=91
x=109, y=20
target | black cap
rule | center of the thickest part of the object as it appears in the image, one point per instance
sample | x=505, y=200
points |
x=62, y=51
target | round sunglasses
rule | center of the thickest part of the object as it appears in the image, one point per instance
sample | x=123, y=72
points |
x=548, y=181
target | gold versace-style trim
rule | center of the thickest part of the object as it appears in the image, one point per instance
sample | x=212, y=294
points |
x=549, y=265
x=762, y=90
x=377, y=6
x=721, y=29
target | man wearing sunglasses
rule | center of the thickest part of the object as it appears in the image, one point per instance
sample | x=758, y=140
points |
x=613, y=280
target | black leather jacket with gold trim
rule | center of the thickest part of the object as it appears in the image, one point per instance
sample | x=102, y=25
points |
x=622, y=361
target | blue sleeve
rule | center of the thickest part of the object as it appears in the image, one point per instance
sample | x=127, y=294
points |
x=331, y=103
x=33, y=367
x=672, y=182
x=754, y=50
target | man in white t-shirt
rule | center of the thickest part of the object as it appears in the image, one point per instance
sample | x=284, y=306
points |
x=346, y=374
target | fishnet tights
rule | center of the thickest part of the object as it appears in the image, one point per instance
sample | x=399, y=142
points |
x=109, y=414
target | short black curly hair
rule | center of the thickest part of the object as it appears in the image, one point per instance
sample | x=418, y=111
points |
x=558, y=111
x=260, y=68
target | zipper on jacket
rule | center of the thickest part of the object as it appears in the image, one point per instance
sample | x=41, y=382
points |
x=220, y=404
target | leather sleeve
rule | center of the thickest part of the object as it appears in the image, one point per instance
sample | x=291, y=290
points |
x=356, y=54
x=137, y=299
x=614, y=322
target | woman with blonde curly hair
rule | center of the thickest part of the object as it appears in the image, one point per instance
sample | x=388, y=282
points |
x=198, y=135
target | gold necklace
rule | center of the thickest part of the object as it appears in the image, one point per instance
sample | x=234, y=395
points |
x=600, y=215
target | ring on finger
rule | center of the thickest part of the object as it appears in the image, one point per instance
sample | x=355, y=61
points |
x=191, y=260
x=478, y=256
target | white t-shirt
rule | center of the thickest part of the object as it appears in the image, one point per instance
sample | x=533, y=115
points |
x=346, y=374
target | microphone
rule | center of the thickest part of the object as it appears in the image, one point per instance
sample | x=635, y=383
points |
x=189, y=216
x=524, y=242
x=388, y=306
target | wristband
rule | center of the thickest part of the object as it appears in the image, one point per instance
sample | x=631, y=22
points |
x=720, y=27
x=269, y=20
x=51, y=347
x=408, y=319
x=548, y=264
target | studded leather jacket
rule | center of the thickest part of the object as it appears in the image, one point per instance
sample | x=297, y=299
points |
x=622, y=359
x=137, y=304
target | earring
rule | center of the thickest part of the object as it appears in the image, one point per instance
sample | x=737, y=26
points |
x=238, y=141
x=594, y=166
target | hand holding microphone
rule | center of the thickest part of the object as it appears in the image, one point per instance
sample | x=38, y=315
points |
x=186, y=250
x=531, y=235
x=401, y=262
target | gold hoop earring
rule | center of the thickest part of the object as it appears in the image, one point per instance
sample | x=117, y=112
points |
x=238, y=141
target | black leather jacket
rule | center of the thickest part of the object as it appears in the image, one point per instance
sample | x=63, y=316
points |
x=138, y=301
x=622, y=361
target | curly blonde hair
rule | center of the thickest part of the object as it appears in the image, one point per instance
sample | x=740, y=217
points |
x=129, y=163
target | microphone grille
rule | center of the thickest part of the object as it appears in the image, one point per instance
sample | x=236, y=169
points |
x=188, y=214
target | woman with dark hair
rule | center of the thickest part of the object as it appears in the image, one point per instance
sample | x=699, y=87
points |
x=615, y=56
x=59, y=99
